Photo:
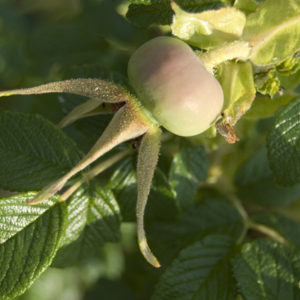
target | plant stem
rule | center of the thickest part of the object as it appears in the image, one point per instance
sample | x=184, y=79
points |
x=240, y=208
x=94, y=172
x=234, y=50
x=268, y=231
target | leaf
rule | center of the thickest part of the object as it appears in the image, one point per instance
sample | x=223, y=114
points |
x=16, y=214
x=33, y=152
x=238, y=86
x=93, y=219
x=200, y=271
x=143, y=13
x=273, y=35
x=266, y=270
x=289, y=229
x=200, y=5
x=28, y=253
x=158, y=12
x=210, y=28
x=213, y=215
x=188, y=168
x=255, y=183
x=265, y=106
x=283, y=144
x=189, y=5
x=290, y=82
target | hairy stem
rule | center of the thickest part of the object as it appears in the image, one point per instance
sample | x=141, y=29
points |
x=234, y=50
x=147, y=160
x=268, y=231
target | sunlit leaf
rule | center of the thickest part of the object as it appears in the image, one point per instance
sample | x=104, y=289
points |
x=273, y=35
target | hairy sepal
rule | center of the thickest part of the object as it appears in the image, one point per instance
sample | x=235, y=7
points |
x=86, y=109
x=147, y=161
x=126, y=124
x=99, y=89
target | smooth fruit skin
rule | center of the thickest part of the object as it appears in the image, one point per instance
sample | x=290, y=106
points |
x=174, y=86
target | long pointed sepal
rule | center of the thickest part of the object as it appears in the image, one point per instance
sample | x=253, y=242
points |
x=147, y=160
x=103, y=90
x=86, y=109
x=125, y=125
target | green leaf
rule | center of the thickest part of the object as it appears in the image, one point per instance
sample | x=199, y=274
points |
x=200, y=271
x=264, y=106
x=283, y=143
x=16, y=214
x=266, y=270
x=188, y=168
x=255, y=183
x=159, y=12
x=200, y=5
x=290, y=82
x=210, y=28
x=93, y=219
x=33, y=152
x=289, y=229
x=238, y=87
x=29, y=252
x=146, y=12
x=273, y=35
x=213, y=215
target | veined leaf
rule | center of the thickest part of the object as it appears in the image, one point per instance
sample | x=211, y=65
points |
x=255, y=183
x=266, y=270
x=16, y=214
x=209, y=28
x=238, y=87
x=283, y=143
x=200, y=271
x=93, y=219
x=189, y=167
x=273, y=31
x=28, y=253
x=211, y=216
x=33, y=152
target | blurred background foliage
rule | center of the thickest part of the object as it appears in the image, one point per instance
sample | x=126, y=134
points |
x=42, y=41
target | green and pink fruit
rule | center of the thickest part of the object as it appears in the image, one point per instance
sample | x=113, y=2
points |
x=174, y=86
